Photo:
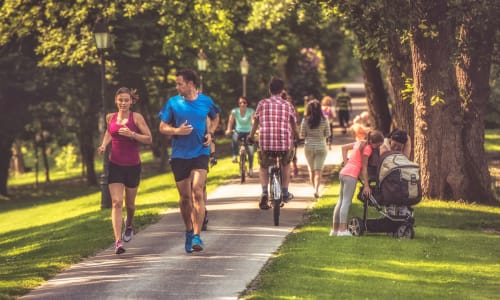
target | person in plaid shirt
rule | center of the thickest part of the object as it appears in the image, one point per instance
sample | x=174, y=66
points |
x=278, y=128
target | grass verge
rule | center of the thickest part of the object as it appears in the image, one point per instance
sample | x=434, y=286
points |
x=454, y=256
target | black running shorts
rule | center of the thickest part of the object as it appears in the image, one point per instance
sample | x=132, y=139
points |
x=128, y=175
x=182, y=167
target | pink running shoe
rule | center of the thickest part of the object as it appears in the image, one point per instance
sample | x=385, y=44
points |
x=119, y=247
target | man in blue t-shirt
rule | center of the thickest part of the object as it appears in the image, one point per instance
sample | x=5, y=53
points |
x=184, y=117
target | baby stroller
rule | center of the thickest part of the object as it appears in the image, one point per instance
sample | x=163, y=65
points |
x=395, y=189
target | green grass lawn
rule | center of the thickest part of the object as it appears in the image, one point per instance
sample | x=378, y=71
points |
x=492, y=140
x=454, y=256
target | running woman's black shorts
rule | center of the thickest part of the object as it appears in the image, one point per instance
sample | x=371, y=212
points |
x=130, y=176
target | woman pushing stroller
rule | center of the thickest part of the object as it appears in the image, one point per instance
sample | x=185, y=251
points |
x=354, y=165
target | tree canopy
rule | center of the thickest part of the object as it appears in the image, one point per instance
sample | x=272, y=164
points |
x=48, y=55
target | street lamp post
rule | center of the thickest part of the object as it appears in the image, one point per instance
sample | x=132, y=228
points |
x=202, y=66
x=101, y=36
x=244, y=73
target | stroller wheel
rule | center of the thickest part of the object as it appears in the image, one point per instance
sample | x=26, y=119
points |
x=405, y=231
x=356, y=226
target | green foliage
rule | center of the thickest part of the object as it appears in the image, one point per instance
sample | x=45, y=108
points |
x=407, y=93
x=306, y=76
x=67, y=158
x=428, y=31
x=438, y=98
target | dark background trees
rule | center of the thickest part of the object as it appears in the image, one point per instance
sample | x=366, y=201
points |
x=428, y=73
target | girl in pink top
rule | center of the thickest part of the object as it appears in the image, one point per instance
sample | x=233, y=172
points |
x=356, y=164
x=126, y=129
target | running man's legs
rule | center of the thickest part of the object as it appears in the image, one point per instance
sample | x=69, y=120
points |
x=198, y=177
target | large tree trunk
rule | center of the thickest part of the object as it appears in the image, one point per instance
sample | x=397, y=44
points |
x=376, y=95
x=400, y=69
x=439, y=122
x=473, y=74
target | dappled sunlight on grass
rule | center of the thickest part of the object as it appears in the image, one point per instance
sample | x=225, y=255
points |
x=451, y=257
x=365, y=273
x=46, y=229
x=492, y=140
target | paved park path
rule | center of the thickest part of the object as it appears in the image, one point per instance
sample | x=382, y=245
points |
x=239, y=241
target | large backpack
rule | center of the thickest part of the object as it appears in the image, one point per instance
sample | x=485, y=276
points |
x=399, y=180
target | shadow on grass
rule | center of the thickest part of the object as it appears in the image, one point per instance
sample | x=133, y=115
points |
x=451, y=257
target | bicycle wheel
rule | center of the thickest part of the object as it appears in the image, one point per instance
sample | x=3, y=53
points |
x=276, y=192
x=242, y=166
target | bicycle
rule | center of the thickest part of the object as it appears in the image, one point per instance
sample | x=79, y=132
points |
x=243, y=155
x=275, y=179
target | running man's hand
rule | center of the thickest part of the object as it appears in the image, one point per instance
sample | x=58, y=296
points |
x=208, y=139
x=184, y=129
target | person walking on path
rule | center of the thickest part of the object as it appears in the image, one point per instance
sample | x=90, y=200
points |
x=278, y=127
x=126, y=129
x=329, y=113
x=354, y=165
x=240, y=120
x=344, y=107
x=184, y=116
x=315, y=129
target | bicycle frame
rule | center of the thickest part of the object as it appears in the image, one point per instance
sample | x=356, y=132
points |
x=275, y=183
x=243, y=157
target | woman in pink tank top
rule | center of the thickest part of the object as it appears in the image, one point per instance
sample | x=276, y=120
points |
x=126, y=129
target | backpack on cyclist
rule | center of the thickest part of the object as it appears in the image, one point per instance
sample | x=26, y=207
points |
x=398, y=180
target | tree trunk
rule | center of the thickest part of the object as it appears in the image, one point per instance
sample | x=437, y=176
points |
x=43, y=146
x=473, y=74
x=88, y=156
x=87, y=147
x=439, y=122
x=5, y=155
x=399, y=68
x=88, y=129
x=35, y=148
x=376, y=95
x=17, y=162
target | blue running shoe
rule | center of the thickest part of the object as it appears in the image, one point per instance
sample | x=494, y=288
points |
x=287, y=197
x=197, y=243
x=189, y=241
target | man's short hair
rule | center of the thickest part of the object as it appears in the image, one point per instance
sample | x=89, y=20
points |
x=399, y=136
x=188, y=75
x=276, y=85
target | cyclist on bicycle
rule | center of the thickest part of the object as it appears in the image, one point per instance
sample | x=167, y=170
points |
x=277, y=120
x=241, y=120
